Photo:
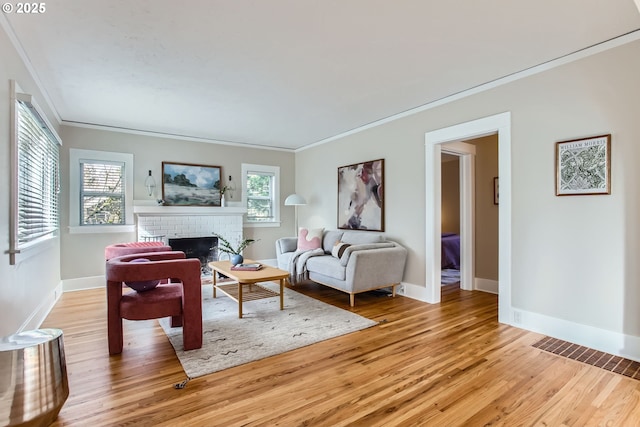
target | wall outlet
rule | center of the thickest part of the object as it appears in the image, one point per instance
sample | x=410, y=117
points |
x=517, y=316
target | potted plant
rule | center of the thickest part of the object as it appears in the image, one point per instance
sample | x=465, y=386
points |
x=235, y=254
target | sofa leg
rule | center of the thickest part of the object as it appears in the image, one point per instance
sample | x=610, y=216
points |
x=393, y=290
x=352, y=299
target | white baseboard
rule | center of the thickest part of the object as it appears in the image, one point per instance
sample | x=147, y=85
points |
x=611, y=342
x=486, y=285
x=615, y=343
x=82, y=283
x=93, y=282
x=412, y=291
x=34, y=321
x=600, y=339
x=420, y=292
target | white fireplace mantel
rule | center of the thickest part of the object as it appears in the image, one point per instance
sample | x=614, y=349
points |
x=169, y=222
x=159, y=210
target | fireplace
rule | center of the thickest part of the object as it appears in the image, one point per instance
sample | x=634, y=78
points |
x=171, y=224
x=203, y=248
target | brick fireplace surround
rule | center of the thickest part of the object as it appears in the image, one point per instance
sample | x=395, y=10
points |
x=171, y=222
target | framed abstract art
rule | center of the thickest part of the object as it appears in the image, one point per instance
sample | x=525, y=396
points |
x=361, y=196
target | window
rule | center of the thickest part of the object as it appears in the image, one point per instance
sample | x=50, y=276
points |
x=36, y=182
x=261, y=194
x=101, y=191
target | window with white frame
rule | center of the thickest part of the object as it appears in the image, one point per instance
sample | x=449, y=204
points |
x=36, y=183
x=101, y=191
x=261, y=194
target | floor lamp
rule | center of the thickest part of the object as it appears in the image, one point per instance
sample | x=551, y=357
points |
x=295, y=200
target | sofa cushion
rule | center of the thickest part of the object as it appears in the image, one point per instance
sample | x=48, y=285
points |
x=326, y=265
x=330, y=239
x=344, y=259
x=309, y=239
x=361, y=238
x=338, y=249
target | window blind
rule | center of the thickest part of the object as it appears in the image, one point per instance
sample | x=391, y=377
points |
x=38, y=176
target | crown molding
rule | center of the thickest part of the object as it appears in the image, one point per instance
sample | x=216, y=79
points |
x=172, y=136
x=536, y=69
x=8, y=29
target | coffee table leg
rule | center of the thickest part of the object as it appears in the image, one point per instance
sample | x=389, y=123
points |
x=215, y=273
x=281, y=294
x=239, y=300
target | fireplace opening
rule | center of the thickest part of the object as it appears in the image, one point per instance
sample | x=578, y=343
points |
x=203, y=248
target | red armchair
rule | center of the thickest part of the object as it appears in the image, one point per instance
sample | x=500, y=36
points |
x=180, y=297
x=119, y=249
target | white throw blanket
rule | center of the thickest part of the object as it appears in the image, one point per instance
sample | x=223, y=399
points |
x=298, y=264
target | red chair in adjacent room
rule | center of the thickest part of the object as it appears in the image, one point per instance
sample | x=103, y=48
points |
x=168, y=284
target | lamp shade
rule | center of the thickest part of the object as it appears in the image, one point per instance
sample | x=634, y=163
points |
x=294, y=200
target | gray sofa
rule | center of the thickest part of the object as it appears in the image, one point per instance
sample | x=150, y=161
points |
x=368, y=261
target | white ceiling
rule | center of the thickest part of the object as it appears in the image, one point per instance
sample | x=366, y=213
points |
x=289, y=73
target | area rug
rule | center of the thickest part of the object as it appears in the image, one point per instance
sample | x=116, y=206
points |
x=263, y=331
x=450, y=276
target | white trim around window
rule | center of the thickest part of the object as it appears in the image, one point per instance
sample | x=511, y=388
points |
x=76, y=156
x=268, y=170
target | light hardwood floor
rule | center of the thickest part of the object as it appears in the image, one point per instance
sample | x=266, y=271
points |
x=449, y=364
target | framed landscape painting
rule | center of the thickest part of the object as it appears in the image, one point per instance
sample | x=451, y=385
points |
x=583, y=166
x=361, y=196
x=185, y=184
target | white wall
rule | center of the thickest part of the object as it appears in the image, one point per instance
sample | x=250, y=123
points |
x=27, y=289
x=486, y=220
x=450, y=171
x=575, y=268
x=83, y=254
x=574, y=258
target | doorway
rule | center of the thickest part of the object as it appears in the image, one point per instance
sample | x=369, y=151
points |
x=500, y=124
x=465, y=154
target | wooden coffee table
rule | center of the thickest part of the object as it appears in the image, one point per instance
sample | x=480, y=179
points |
x=251, y=278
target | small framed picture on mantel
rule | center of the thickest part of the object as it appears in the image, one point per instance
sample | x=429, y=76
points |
x=583, y=166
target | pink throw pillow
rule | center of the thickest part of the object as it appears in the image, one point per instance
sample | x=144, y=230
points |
x=309, y=238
